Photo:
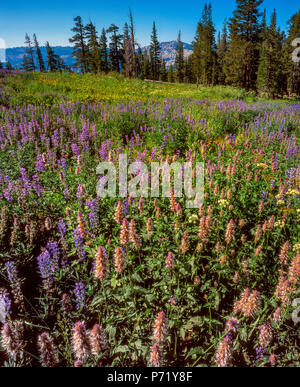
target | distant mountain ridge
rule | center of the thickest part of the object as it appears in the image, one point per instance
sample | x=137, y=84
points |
x=168, y=49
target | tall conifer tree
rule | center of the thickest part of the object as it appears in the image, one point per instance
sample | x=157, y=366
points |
x=222, y=47
x=204, y=47
x=28, y=61
x=93, y=47
x=270, y=70
x=155, y=51
x=103, y=52
x=8, y=65
x=163, y=71
x=133, y=43
x=115, y=51
x=129, y=54
x=80, y=52
x=52, y=59
x=243, y=53
x=171, y=75
x=39, y=54
x=179, y=60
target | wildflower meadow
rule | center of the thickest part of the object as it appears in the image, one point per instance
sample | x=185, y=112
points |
x=99, y=281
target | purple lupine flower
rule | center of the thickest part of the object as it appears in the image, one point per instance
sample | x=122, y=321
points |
x=25, y=178
x=276, y=162
x=5, y=305
x=62, y=228
x=75, y=149
x=44, y=263
x=62, y=163
x=263, y=195
x=80, y=295
x=7, y=195
x=55, y=139
x=260, y=351
x=66, y=194
x=79, y=245
x=11, y=271
x=103, y=151
x=93, y=206
x=53, y=248
x=79, y=194
x=126, y=207
x=39, y=165
x=36, y=185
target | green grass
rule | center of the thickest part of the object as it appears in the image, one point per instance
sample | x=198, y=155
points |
x=39, y=88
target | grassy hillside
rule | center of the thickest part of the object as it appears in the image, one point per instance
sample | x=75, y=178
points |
x=48, y=88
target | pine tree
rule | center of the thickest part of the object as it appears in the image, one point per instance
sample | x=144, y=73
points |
x=52, y=59
x=171, y=76
x=243, y=52
x=139, y=62
x=133, y=53
x=39, y=55
x=146, y=66
x=28, y=61
x=188, y=70
x=155, y=61
x=126, y=50
x=263, y=27
x=179, y=60
x=270, y=70
x=93, y=47
x=103, y=52
x=292, y=69
x=163, y=71
x=115, y=52
x=221, y=51
x=8, y=65
x=80, y=52
x=204, y=47
x=129, y=54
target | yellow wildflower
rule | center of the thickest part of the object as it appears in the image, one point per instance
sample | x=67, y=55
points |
x=193, y=218
x=279, y=224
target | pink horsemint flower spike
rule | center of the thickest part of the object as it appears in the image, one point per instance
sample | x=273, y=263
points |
x=250, y=307
x=81, y=345
x=156, y=355
x=224, y=355
x=47, y=350
x=12, y=337
x=98, y=340
x=119, y=212
x=160, y=327
x=119, y=259
x=229, y=231
x=124, y=236
x=294, y=270
x=101, y=264
x=284, y=253
x=149, y=226
x=81, y=224
x=170, y=260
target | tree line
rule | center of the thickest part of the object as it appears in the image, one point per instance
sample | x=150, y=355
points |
x=250, y=52
x=54, y=62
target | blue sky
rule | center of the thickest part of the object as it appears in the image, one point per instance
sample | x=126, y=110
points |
x=53, y=20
